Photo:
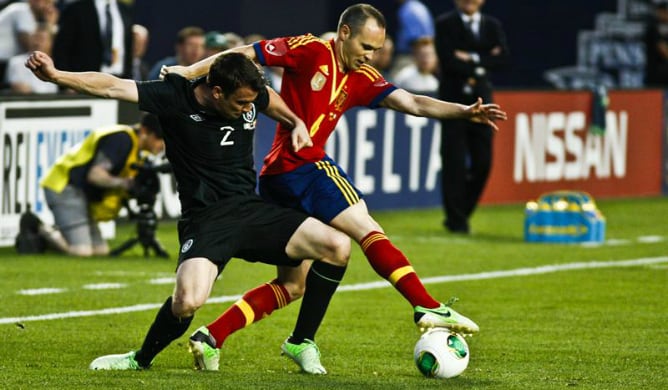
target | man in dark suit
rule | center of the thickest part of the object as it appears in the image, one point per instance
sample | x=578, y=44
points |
x=77, y=46
x=656, y=46
x=140, y=37
x=469, y=45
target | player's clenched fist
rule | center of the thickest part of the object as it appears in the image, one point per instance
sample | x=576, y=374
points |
x=41, y=65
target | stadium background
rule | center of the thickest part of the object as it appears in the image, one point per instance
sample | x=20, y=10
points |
x=545, y=145
x=541, y=34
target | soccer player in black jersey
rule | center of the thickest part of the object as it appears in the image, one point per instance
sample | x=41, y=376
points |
x=208, y=129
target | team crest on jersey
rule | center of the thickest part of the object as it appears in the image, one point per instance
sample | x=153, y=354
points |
x=318, y=81
x=187, y=245
x=250, y=118
x=340, y=100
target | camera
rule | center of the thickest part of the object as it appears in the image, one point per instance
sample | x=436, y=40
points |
x=145, y=191
x=147, y=184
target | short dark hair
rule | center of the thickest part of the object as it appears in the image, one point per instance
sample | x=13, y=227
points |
x=233, y=70
x=356, y=15
x=152, y=124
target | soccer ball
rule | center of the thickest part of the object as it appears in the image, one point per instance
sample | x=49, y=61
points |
x=441, y=353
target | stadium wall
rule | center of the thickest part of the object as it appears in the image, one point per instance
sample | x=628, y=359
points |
x=393, y=158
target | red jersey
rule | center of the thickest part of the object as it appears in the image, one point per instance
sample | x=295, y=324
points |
x=318, y=91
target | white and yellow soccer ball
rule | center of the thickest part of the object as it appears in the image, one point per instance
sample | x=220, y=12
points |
x=441, y=353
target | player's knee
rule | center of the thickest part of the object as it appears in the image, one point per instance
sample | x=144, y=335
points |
x=339, y=247
x=185, y=305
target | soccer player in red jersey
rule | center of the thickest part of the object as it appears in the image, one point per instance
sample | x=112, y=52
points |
x=323, y=79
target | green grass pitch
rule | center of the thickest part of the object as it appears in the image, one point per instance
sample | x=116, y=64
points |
x=591, y=317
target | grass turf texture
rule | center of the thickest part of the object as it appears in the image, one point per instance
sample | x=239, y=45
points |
x=588, y=328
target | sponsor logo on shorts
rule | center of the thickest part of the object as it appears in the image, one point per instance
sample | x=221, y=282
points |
x=187, y=245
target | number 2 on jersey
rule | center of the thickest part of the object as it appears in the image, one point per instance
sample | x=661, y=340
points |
x=228, y=130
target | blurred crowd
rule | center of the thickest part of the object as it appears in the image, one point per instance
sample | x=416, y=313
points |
x=63, y=29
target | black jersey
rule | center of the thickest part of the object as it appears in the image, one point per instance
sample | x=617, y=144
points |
x=212, y=157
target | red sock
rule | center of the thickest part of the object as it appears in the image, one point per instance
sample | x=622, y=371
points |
x=252, y=307
x=392, y=265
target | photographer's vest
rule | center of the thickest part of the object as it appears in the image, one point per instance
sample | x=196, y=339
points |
x=112, y=200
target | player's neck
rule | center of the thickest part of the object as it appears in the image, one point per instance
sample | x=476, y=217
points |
x=338, y=49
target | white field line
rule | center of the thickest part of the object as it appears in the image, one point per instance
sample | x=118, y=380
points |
x=103, y=286
x=41, y=291
x=650, y=239
x=546, y=269
x=167, y=280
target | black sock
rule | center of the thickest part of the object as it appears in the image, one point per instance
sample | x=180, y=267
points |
x=165, y=329
x=321, y=282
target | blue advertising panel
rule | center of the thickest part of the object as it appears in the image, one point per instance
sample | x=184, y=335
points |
x=393, y=158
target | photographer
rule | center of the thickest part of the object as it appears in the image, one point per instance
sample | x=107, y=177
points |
x=89, y=182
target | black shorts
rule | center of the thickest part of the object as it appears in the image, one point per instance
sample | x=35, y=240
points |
x=246, y=227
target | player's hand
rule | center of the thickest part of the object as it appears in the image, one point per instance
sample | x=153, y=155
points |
x=300, y=137
x=177, y=69
x=41, y=66
x=486, y=113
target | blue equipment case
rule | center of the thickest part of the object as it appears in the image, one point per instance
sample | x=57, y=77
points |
x=564, y=217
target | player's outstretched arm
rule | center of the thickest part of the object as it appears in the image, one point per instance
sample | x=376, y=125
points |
x=201, y=68
x=280, y=112
x=420, y=105
x=90, y=83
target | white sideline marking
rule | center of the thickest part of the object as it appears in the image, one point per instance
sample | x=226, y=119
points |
x=127, y=273
x=169, y=280
x=617, y=241
x=103, y=286
x=545, y=269
x=41, y=291
x=650, y=239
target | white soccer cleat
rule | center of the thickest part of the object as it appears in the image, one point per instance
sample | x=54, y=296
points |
x=124, y=361
x=306, y=355
x=203, y=347
x=444, y=317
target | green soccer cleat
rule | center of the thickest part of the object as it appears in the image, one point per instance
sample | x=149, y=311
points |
x=203, y=347
x=443, y=317
x=306, y=355
x=124, y=361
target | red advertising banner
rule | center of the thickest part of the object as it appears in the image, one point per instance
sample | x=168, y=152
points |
x=546, y=145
